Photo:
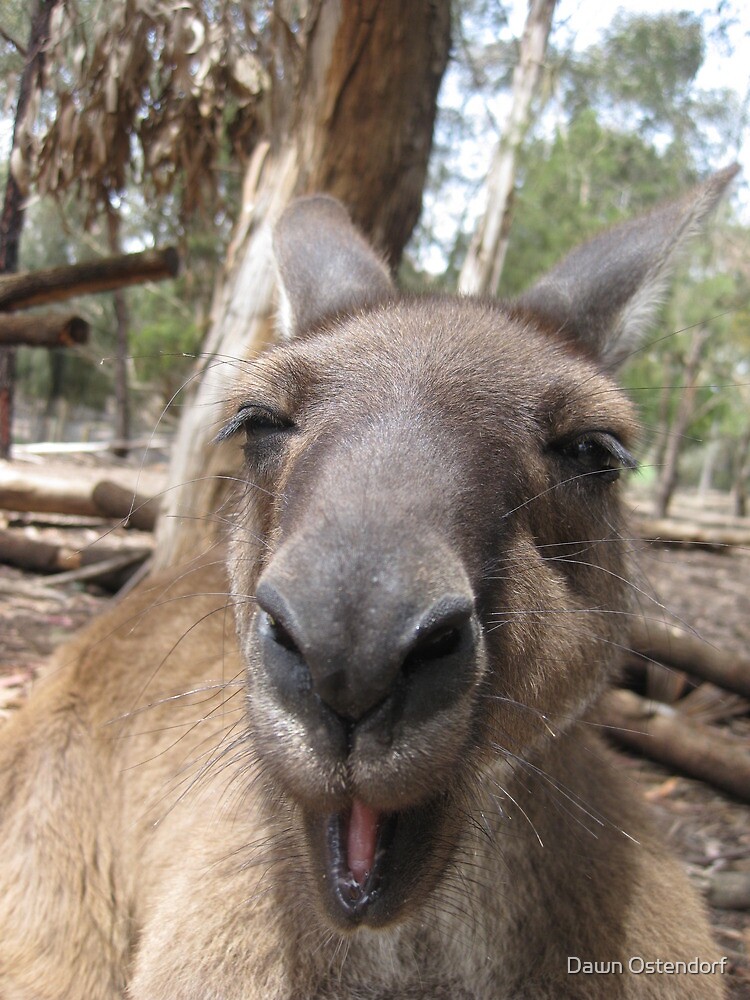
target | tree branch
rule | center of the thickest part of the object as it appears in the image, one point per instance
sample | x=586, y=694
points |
x=20, y=49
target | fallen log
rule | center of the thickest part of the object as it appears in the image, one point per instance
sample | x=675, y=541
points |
x=112, y=574
x=17, y=549
x=729, y=890
x=91, y=447
x=43, y=330
x=32, y=288
x=668, y=531
x=664, y=734
x=31, y=490
x=654, y=640
x=133, y=511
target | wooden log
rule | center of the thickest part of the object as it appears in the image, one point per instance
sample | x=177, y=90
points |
x=32, y=288
x=667, y=531
x=31, y=490
x=680, y=649
x=119, y=503
x=665, y=735
x=112, y=574
x=91, y=447
x=729, y=890
x=43, y=330
x=17, y=549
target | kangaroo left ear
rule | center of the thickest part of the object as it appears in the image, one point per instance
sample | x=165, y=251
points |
x=326, y=266
x=606, y=292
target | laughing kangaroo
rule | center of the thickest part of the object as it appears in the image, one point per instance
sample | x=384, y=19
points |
x=351, y=757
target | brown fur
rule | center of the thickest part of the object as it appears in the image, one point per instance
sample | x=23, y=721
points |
x=164, y=793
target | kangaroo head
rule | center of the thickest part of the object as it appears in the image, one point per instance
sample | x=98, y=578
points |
x=429, y=556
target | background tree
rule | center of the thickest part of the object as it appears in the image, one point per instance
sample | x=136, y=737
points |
x=485, y=256
x=11, y=221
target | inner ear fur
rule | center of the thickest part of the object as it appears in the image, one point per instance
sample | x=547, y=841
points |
x=326, y=267
x=606, y=293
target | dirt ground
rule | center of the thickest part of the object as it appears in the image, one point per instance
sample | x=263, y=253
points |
x=710, y=593
x=706, y=590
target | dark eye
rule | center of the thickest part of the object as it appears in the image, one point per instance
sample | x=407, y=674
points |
x=597, y=453
x=258, y=422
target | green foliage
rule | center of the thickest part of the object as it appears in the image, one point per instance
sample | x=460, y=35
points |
x=587, y=178
x=642, y=72
x=64, y=373
x=641, y=79
x=167, y=320
x=163, y=352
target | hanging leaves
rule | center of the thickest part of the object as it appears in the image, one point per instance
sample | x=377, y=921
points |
x=157, y=92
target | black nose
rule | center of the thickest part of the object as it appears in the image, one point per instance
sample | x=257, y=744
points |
x=355, y=657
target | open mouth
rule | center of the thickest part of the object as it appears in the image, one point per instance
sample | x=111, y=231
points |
x=373, y=867
x=358, y=842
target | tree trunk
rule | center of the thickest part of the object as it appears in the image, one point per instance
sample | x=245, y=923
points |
x=741, y=475
x=676, y=436
x=353, y=109
x=480, y=274
x=710, y=458
x=122, y=323
x=38, y=556
x=11, y=221
x=670, y=531
x=664, y=412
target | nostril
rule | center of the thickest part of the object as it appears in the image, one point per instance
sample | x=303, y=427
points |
x=277, y=620
x=280, y=635
x=441, y=633
x=441, y=642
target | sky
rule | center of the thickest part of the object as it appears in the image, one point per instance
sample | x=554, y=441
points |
x=588, y=17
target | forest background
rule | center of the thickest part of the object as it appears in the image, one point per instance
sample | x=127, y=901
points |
x=144, y=121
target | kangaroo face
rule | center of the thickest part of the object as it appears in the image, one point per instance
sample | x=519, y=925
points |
x=429, y=555
x=440, y=574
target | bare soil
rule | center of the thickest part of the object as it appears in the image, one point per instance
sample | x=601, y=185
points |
x=708, y=591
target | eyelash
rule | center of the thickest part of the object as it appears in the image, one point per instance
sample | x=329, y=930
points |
x=257, y=422
x=600, y=452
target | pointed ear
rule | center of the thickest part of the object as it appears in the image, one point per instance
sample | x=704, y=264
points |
x=606, y=293
x=326, y=267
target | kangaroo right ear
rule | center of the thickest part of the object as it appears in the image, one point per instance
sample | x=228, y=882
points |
x=326, y=266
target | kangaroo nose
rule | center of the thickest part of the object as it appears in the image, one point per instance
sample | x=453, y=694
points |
x=354, y=661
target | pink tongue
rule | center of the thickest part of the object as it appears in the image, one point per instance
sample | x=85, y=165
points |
x=361, y=840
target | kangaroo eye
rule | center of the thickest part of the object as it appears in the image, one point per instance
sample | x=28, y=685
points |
x=598, y=453
x=258, y=422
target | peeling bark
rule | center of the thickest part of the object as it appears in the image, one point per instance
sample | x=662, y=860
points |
x=480, y=274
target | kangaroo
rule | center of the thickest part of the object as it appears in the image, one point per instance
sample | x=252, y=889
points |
x=352, y=757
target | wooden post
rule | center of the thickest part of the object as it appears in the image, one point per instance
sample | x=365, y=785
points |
x=34, y=288
x=43, y=330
